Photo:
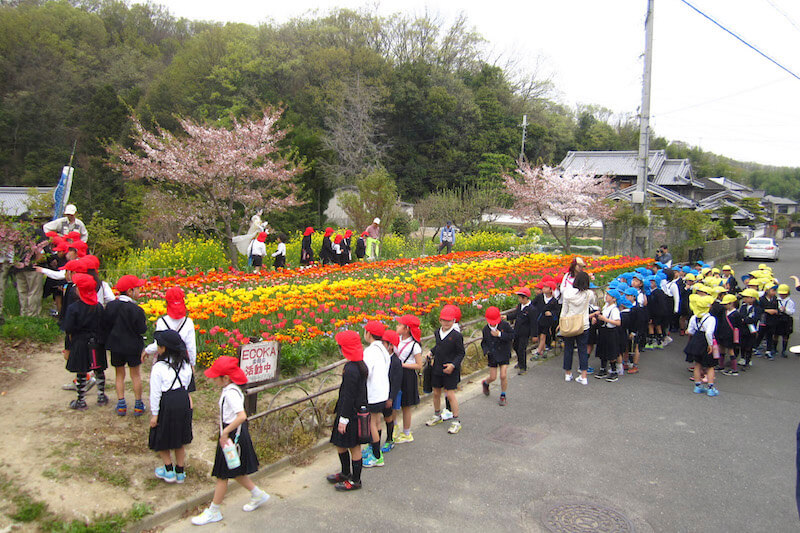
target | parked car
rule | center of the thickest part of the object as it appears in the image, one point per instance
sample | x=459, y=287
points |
x=761, y=248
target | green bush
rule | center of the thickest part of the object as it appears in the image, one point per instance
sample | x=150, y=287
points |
x=306, y=354
x=39, y=329
x=168, y=258
x=10, y=299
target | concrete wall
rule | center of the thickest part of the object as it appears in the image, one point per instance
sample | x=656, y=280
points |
x=725, y=250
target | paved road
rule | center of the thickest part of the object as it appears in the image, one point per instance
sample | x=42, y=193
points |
x=662, y=457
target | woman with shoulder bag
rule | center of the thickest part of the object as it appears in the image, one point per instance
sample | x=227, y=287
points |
x=577, y=299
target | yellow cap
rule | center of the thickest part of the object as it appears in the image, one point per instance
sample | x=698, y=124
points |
x=689, y=277
x=700, y=304
x=762, y=266
x=727, y=267
x=699, y=287
x=783, y=289
x=719, y=289
x=715, y=271
x=705, y=271
x=750, y=293
x=728, y=299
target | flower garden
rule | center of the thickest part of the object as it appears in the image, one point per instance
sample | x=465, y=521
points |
x=307, y=306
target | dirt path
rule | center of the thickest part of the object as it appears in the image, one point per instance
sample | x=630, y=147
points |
x=84, y=464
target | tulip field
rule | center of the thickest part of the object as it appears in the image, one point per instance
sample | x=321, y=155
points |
x=297, y=305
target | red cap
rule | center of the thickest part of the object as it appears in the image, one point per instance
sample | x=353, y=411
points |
x=227, y=366
x=51, y=234
x=348, y=234
x=547, y=277
x=76, y=266
x=450, y=312
x=524, y=291
x=309, y=230
x=261, y=237
x=559, y=279
x=328, y=232
x=87, y=288
x=74, y=235
x=350, y=344
x=337, y=239
x=91, y=262
x=551, y=284
x=128, y=282
x=62, y=246
x=80, y=247
x=413, y=324
x=493, y=316
x=364, y=234
x=176, y=307
x=392, y=337
x=375, y=328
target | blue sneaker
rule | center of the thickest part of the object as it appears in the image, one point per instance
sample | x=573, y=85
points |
x=387, y=446
x=180, y=478
x=370, y=461
x=713, y=391
x=698, y=388
x=366, y=452
x=590, y=370
x=162, y=473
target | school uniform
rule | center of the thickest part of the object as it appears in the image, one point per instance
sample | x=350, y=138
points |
x=628, y=325
x=279, y=257
x=526, y=325
x=658, y=308
x=83, y=325
x=361, y=248
x=642, y=321
x=498, y=349
x=185, y=328
x=53, y=286
x=395, y=384
x=726, y=325
x=608, y=335
x=352, y=396
x=672, y=298
x=731, y=284
x=769, y=321
x=306, y=253
x=750, y=316
x=257, y=250
x=406, y=353
x=701, y=331
x=70, y=296
x=126, y=324
x=594, y=327
x=169, y=400
x=449, y=349
x=347, y=255
x=377, y=360
x=231, y=402
x=785, y=323
x=326, y=255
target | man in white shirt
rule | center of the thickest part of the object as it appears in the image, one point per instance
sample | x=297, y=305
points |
x=69, y=222
x=377, y=360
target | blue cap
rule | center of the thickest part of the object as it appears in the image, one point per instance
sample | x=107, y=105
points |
x=745, y=277
x=614, y=293
x=660, y=276
x=613, y=284
x=686, y=269
x=622, y=287
x=695, y=272
x=631, y=292
x=627, y=276
x=624, y=302
x=643, y=271
x=592, y=285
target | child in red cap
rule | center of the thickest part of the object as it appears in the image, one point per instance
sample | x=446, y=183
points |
x=326, y=256
x=306, y=252
x=126, y=325
x=496, y=345
x=352, y=398
x=82, y=325
x=257, y=250
x=409, y=351
x=226, y=374
x=177, y=319
x=448, y=353
x=361, y=246
x=377, y=359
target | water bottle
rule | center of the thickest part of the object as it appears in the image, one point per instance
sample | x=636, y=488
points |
x=231, y=455
x=364, y=434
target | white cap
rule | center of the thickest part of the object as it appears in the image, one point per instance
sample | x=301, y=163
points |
x=70, y=209
x=376, y=221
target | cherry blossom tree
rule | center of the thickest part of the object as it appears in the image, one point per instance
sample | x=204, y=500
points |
x=213, y=175
x=562, y=201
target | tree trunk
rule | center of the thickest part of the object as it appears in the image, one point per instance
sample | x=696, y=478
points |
x=233, y=252
x=567, y=244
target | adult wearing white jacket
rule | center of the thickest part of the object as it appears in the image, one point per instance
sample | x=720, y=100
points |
x=577, y=299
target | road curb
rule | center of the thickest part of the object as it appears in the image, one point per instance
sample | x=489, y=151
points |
x=177, y=510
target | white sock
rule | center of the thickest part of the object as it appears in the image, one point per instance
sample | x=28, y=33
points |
x=256, y=492
x=214, y=507
x=407, y=432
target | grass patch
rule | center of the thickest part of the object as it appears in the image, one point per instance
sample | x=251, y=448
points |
x=51, y=473
x=10, y=298
x=39, y=329
x=28, y=510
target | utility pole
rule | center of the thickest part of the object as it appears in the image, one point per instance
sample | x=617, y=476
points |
x=640, y=196
x=524, y=132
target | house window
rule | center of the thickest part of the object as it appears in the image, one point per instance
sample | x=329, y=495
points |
x=783, y=209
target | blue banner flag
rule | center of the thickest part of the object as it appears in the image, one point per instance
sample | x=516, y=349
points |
x=61, y=194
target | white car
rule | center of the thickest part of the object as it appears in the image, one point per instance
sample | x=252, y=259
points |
x=761, y=248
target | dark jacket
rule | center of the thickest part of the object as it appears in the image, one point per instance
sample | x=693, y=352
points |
x=657, y=304
x=83, y=325
x=126, y=324
x=498, y=348
x=361, y=248
x=352, y=392
x=395, y=376
x=749, y=317
x=306, y=253
x=326, y=255
x=724, y=331
x=540, y=309
x=765, y=303
x=448, y=350
x=526, y=320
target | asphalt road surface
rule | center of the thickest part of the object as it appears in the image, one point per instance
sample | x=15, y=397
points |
x=643, y=454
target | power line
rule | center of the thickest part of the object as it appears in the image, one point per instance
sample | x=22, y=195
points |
x=742, y=40
x=719, y=98
x=784, y=14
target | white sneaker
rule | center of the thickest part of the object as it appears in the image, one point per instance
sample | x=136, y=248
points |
x=582, y=381
x=567, y=377
x=255, y=503
x=447, y=414
x=666, y=341
x=742, y=361
x=206, y=517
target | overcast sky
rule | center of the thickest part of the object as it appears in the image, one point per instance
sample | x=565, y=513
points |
x=709, y=89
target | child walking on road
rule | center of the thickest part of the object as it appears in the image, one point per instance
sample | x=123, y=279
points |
x=496, y=344
x=448, y=353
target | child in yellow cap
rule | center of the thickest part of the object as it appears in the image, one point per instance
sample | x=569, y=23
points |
x=750, y=314
x=701, y=341
x=728, y=334
x=785, y=324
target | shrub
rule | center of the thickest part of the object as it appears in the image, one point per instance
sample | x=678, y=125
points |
x=106, y=241
x=39, y=329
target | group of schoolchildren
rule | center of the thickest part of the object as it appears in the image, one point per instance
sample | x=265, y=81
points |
x=336, y=249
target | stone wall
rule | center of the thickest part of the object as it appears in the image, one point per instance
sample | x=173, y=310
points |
x=725, y=250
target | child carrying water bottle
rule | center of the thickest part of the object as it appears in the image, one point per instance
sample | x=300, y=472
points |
x=226, y=374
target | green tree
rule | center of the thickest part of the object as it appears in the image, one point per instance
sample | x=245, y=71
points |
x=377, y=197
